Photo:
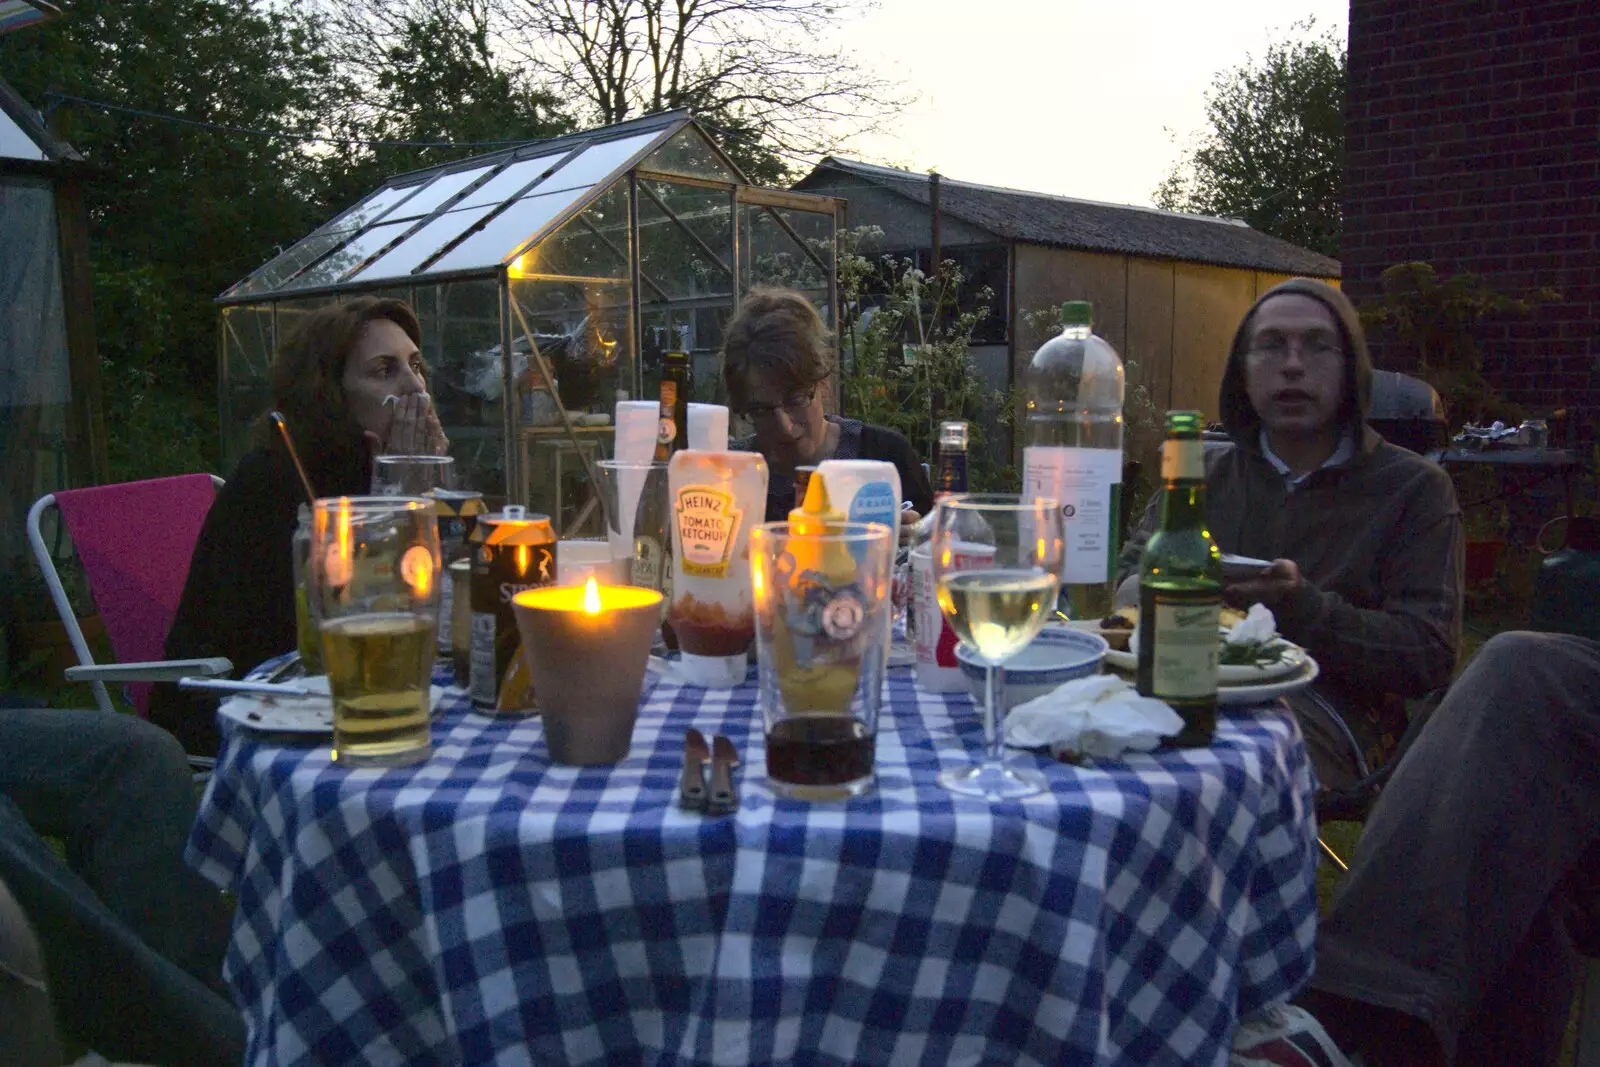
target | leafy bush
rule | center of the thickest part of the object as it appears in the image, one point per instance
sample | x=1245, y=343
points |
x=907, y=357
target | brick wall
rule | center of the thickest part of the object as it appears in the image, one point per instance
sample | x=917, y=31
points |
x=1473, y=143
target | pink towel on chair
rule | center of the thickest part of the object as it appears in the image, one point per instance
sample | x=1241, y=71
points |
x=134, y=540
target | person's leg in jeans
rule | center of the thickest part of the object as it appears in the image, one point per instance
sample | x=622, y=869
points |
x=133, y=939
x=1454, y=913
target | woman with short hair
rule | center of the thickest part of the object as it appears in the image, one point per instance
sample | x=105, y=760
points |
x=777, y=359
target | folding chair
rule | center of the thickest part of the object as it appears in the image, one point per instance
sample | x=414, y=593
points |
x=134, y=541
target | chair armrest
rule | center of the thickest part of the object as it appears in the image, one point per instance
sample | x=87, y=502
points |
x=169, y=670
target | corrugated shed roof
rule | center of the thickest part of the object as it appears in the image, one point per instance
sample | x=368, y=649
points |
x=1042, y=218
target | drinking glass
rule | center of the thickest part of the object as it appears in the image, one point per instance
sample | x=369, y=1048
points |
x=822, y=613
x=996, y=609
x=412, y=475
x=375, y=580
x=635, y=496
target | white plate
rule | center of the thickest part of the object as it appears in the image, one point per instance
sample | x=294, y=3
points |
x=293, y=715
x=1262, y=692
x=1227, y=674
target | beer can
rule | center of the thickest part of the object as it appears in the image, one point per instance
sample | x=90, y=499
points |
x=511, y=551
x=458, y=511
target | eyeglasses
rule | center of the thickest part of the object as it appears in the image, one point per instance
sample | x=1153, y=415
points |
x=1312, y=350
x=794, y=407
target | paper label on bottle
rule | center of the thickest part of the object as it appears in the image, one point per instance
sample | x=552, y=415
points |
x=1183, y=460
x=647, y=560
x=1184, y=654
x=875, y=502
x=708, y=527
x=447, y=599
x=1081, y=479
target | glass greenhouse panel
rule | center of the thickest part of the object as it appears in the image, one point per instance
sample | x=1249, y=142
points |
x=594, y=244
x=247, y=351
x=416, y=249
x=508, y=231
x=689, y=154
x=437, y=192
x=685, y=241
x=571, y=340
x=369, y=210
x=780, y=246
x=510, y=182
x=598, y=162
x=360, y=248
x=278, y=272
x=461, y=342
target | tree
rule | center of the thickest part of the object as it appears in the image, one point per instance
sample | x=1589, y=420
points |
x=177, y=211
x=760, y=73
x=433, y=82
x=1273, y=154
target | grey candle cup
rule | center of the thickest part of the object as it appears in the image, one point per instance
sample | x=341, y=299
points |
x=587, y=673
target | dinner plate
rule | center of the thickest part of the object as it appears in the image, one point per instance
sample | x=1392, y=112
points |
x=1262, y=692
x=293, y=715
x=1294, y=659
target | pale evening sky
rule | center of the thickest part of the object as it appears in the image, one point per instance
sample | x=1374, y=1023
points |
x=1085, y=99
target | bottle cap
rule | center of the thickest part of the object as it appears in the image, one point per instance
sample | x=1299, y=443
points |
x=953, y=435
x=1077, y=313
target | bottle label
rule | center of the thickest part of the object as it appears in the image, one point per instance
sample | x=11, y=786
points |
x=875, y=502
x=1184, y=653
x=485, y=683
x=447, y=599
x=1183, y=461
x=647, y=559
x=1082, y=480
x=666, y=424
x=951, y=474
x=708, y=527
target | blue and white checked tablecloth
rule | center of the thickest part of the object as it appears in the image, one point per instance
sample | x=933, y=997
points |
x=488, y=908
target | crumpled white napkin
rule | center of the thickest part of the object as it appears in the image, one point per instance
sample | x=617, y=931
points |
x=1101, y=716
x=1256, y=628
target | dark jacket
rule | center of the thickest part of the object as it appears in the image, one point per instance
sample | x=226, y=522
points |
x=1377, y=538
x=238, y=600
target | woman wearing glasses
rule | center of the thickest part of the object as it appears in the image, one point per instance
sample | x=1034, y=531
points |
x=777, y=357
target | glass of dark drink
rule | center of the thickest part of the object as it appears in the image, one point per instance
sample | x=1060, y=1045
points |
x=823, y=610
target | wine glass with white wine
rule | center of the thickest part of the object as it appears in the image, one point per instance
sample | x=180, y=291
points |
x=997, y=562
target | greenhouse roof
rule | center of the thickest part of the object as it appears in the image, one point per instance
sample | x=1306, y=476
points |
x=23, y=135
x=475, y=216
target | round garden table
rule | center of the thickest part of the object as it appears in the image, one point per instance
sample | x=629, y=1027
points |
x=486, y=907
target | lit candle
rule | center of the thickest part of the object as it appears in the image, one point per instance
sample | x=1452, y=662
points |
x=586, y=648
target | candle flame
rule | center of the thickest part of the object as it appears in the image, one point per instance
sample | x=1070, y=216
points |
x=591, y=597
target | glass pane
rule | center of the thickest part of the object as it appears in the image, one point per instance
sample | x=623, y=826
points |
x=286, y=266
x=592, y=245
x=411, y=253
x=688, y=153
x=508, y=231
x=509, y=182
x=461, y=342
x=770, y=255
x=438, y=191
x=247, y=350
x=685, y=241
x=597, y=162
x=581, y=329
x=350, y=256
x=369, y=210
x=15, y=143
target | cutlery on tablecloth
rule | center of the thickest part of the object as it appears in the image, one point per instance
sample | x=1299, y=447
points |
x=724, y=757
x=692, y=782
x=225, y=685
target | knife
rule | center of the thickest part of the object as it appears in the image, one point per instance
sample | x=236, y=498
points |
x=723, y=759
x=692, y=782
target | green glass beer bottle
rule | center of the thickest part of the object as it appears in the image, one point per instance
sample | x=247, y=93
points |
x=1180, y=589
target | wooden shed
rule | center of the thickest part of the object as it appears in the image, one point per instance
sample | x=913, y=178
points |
x=1168, y=288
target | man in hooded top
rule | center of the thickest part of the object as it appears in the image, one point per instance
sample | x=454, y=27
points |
x=1364, y=536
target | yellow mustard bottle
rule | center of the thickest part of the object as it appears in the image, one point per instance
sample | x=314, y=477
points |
x=808, y=681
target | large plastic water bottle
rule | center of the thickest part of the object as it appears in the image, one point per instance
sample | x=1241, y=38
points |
x=1073, y=452
x=1567, y=591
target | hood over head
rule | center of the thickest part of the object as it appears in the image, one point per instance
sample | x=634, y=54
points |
x=1239, y=416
